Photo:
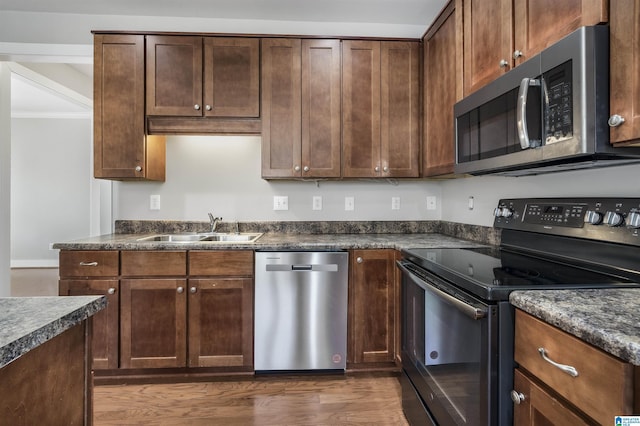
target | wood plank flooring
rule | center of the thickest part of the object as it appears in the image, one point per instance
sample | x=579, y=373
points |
x=272, y=400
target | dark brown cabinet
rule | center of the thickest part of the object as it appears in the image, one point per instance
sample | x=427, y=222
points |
x=501, y=34
x=301, y=108
x=380, y=117
x=372, y=307
x=442, y=89
x=122, y=149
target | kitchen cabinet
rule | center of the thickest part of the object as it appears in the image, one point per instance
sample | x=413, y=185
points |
x=372, y=307
x=443, y=85
x=624, y=39
x=122, y=149
x=301, y=108
x=380, y=117
x=601, y=389
x=501, y=34
x=95, y=273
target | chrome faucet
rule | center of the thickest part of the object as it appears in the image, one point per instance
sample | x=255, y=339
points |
x=214, y=222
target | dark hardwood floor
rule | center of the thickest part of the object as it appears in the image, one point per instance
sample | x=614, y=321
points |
x=272, y=400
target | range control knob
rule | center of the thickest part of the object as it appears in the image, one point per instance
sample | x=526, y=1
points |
x=633, y=220
x=593, y=217
x=502, y=212
x=613, y=219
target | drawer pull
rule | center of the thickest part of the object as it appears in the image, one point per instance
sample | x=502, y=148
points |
x=88, y=263
x=566, y=368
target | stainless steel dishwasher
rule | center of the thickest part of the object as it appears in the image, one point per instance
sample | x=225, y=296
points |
x=300, y=311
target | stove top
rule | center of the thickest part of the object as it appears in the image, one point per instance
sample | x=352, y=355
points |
x=491, y=274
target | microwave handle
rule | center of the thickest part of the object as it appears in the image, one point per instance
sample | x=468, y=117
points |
x=521, y=111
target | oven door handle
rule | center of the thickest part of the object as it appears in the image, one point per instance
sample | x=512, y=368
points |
x=471, y=311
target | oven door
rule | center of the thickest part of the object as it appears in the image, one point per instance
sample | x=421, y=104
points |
x=449, y=350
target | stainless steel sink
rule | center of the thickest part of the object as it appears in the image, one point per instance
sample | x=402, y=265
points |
x=219, y=237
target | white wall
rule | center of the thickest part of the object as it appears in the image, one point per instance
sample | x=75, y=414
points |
x=222, y=175
x=5, y=178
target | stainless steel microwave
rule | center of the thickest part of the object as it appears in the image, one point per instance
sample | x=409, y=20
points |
x=548, y=114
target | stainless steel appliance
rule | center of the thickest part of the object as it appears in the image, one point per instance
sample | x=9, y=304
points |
x=548, y=114
x=457, y=340
x=300, y=311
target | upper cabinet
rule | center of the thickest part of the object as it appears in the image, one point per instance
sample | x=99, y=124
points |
x=122, y=148
x=300, y=108
x=501, y=34
x=380, y=101
x=624, y=39
x=442, y=77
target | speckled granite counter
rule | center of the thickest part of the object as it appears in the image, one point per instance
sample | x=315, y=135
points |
x=608, y=319
x=28, y=322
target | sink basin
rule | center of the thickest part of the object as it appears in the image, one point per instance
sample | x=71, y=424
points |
x=220, y=237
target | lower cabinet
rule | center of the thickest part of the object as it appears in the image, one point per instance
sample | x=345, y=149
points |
x=372, y=307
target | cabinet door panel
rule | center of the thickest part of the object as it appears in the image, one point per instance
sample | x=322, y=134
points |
x=361, y=108
x=153, y=324
x=281, y=108
x=104, y=339
x=231, y=77
x=321, y=126
x=221, y=263
x=400, y=108
x=221, y=322
x=174, y=75
x=153, y=263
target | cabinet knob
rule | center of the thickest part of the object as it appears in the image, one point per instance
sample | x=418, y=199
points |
x=517, y=54
x=193, y=290
x=359, y=259
x=111, y=291
x=385, y=169
x=208, y=108
x=503, y=63
x=296, y=168
x=305, y=168
x=377, y=168
x=517, y=397
x=180, y=290
x=615, y=120
x=196, y=107
x=138, y=168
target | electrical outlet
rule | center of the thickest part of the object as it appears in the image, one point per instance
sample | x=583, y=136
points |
x=431, y=202
x=395, y=203
x=154, y=202
x=349, y=203
x=317, y=202
x=280, y=202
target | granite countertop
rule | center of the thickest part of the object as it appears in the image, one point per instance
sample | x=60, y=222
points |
x=276, y=241
x=608, y=319
x=28, y=322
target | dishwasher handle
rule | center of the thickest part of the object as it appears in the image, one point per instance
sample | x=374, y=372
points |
x=288, y=267
x=301, y=267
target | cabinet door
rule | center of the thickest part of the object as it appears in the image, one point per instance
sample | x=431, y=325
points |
x=361, y=108
x=624, y=40
x=442, y=88
x=104, y=343
x=153, y=323
x=321, y=126
x=488, y=41
x=534, y=30
x=221, y=322
x=281, y=108
x=174, y=75
x=121, y=149
x=400, y=109
x=231, y=77
x=371, y=306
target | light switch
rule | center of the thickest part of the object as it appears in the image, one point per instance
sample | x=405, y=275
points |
x=317, y=202
x=395, y=203
x=154, y=202
x=349, y=203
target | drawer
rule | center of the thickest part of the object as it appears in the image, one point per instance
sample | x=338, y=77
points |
x=88, y=263
x=221, y=263
x=153, y=263
x=603, y=387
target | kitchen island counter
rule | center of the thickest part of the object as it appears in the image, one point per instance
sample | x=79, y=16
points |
x=606, y=318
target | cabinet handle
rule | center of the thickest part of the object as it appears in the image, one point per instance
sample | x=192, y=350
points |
x=111, y=291
x=359, y=259
x=180, y=290
x=566, y=368
x=517, y=54
x=196, y=107
x=305, y=168
x=615, y=120
x=517, y=397
x=88, y=263
x=503, y=63
x=208, y=107
x=193, y=290
x=138, y=168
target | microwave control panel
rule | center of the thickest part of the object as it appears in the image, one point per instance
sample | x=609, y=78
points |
x=558, y=98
